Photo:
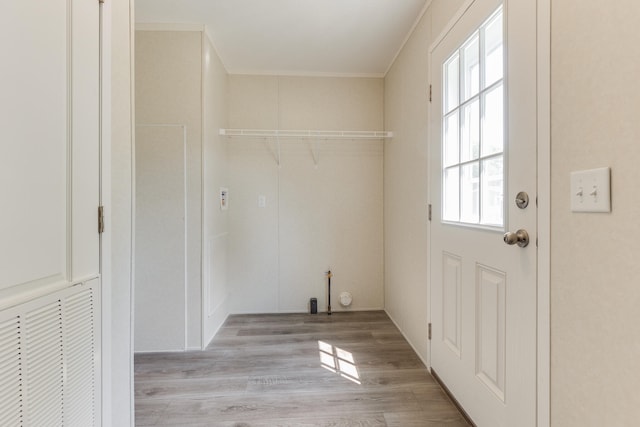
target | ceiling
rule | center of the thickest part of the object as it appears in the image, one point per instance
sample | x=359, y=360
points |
x=296, y=37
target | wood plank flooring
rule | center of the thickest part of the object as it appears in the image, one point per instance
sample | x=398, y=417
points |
x=347, y=369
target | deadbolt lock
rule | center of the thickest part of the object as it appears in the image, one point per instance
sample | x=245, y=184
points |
x=522, y=200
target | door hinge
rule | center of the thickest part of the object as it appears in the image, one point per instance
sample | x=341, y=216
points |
x=429, y=331
x=100, y=219
x=429, y=211
x=430, y=92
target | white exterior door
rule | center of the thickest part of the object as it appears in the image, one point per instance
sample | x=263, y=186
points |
x=49, y=190
x=483, y=154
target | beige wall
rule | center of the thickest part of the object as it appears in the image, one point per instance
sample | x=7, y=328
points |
x=169, y=91
x=316, y=217
x=595, y=285
x=405, y=179
x=180, y=80
x=160, y=307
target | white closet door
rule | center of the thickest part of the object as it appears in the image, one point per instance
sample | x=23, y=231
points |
x=49, y=190
x=49, y=154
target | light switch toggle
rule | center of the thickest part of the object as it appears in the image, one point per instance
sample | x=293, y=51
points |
x=591, y=190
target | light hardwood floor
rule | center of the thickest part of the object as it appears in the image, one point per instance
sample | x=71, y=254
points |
x=347, y=369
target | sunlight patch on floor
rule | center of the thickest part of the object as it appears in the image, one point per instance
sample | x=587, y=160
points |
x=338, y=361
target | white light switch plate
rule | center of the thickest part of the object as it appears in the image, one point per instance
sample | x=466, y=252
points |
x=262, y=201
x=591, y=190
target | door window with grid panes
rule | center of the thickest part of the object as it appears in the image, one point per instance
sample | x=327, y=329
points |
x=473, y=129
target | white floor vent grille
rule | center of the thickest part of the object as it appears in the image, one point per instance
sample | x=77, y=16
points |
x=49, y=360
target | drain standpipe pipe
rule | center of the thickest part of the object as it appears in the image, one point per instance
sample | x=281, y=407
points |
x=329, y=292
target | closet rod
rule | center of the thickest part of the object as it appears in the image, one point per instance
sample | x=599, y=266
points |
x=320, y=134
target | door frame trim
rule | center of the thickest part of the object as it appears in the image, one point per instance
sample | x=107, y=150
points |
x=117, y=296
x=105, y=188
x=543, y=169
x=543, y=74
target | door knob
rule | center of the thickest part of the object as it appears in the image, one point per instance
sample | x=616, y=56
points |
x=520, y=237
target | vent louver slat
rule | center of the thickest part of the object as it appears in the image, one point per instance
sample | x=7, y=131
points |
x=10, y=376
x=80, y=345
x=43, y=364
